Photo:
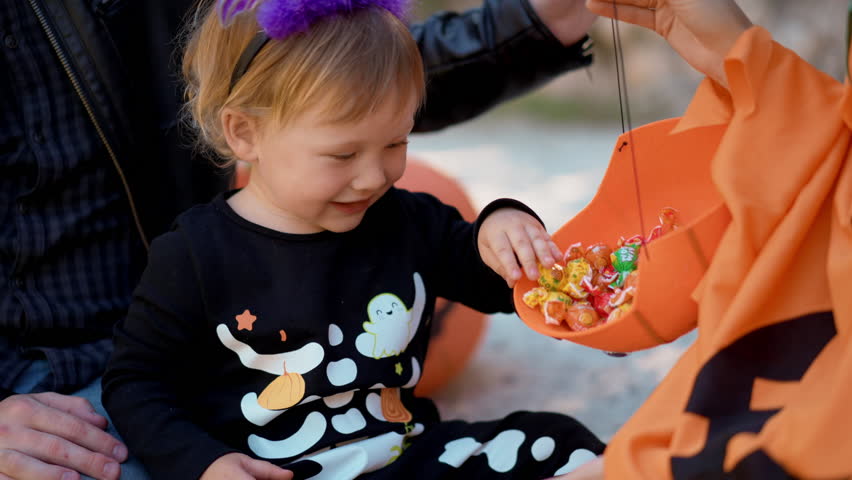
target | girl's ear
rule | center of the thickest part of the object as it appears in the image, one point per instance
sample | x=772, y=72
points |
x=242, y=132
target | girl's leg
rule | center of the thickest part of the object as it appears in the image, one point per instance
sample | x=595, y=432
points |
x=524, y=445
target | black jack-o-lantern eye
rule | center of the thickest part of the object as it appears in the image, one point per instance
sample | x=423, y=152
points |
x=778, y=353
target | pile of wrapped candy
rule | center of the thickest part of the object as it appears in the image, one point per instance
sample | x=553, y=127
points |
x=595, y=284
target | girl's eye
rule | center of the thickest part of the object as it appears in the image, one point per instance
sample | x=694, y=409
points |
x=343, y=156
x=398, y=144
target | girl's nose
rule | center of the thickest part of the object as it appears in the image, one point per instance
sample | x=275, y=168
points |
x=371, y=176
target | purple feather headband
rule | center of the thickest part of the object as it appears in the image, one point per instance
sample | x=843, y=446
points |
x=282, y=18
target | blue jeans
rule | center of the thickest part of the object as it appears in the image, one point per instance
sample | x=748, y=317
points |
x=131, y=469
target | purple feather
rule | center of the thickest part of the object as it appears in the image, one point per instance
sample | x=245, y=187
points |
x=282, y=18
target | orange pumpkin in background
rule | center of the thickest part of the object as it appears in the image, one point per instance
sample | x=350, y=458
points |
x=456, y=329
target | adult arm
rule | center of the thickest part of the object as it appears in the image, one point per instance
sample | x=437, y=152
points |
x=487, y=55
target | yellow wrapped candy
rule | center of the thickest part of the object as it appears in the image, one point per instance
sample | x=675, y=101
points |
x=552, y=278
x=576, y=272
x=535, y=297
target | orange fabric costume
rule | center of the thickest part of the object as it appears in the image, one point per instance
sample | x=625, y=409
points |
x=765, y=391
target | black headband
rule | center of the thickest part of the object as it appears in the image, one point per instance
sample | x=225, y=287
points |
x=247, y=56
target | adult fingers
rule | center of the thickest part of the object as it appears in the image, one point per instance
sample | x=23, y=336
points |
x=55, y=437
x=637, y=15
x=77, y=406
x=19, y=466
x=59, y=452
x=70, y=427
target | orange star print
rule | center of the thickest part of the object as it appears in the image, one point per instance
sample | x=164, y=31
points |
x=245, y=320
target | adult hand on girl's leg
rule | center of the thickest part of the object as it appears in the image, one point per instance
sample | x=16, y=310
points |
x=237, y=466
x=701, y=31
x=592, y=470
x=46, y=435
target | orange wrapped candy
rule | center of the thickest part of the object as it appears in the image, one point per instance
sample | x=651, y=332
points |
x=582, y=316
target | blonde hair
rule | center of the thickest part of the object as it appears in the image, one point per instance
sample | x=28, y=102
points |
x=346, y=64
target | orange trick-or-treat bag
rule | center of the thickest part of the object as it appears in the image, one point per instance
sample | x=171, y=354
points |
x=670, y=171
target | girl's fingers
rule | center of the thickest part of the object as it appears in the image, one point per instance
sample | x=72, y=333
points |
x=555, y=251
x=261, y=470
x=501, y=247
x=525, y=251
x=545, y=250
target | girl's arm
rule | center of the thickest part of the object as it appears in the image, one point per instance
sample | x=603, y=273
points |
x=148, y=366
x=456, y=266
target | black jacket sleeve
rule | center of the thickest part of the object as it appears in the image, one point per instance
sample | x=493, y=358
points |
x=485, y=56
x=144, y=377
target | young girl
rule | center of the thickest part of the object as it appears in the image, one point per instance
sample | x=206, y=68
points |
x=286, y=323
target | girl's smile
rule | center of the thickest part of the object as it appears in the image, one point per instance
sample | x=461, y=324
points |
x=351, y=208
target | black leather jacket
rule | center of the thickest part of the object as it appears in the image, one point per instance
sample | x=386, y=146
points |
x=114, y=51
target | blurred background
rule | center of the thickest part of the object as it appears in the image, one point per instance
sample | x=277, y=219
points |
x=550, y=149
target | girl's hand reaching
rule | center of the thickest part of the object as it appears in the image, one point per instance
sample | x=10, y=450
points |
x=236, y=466
x=513, y=242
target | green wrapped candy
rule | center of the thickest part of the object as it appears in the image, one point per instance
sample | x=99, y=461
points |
x=624, y=261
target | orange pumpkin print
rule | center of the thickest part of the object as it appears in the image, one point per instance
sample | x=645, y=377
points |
x=284, y=392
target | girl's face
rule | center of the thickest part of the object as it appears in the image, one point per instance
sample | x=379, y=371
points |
x=312, y=175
